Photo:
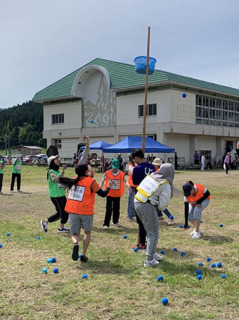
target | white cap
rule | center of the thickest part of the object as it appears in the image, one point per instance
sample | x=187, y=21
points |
x=51, y=158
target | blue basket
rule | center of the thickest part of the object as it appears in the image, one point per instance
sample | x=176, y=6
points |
x=140, y=64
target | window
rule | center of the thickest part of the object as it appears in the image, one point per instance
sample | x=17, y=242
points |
x=58, y=143
x=151, y=110
x=57, y=118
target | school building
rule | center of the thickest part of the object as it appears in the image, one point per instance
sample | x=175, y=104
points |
x=104, y=99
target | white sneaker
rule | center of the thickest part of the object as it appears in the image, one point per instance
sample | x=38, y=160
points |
x=171, y=222
x=196, y=235
x=151, y=263
x=44, y=225
x=192, y=233
x=116, y=224
x=157, y=257
x=105, y=227
x=12, y=191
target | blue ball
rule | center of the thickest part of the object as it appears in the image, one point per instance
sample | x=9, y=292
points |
x=200, y=264
x=219, y=265
x=91, y=121
x=221, y=225
x=38, y=237
x=165, y=301
x=160, y=278
x=162, y=252
x=79, y=255
x=198, y=272
x=223, y=276
x=184, y=95
x=125, y=237
x=199, y=277
x=56, y=270
x=49, y=260
x=84, y=276
x=208, y=259
x=171, y=217
x=136, y=249
x=0, y=245
x=189, y=227
x=182, y=253
x=180, y=226
x=53, y=259
x=8, y=234
x=175, y=249
x=213, y=265
x=44, y=270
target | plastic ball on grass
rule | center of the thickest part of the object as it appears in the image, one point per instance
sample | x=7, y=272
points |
x=188, y=227
x=223, y=276
x=213, y=265
x=160, y=278
x=8, y=234
x=199, y=277
x=44, y=270
x=84, y=276
x=53, y=259
x=49, y=260
x=124, y=236
x=162, y=252
x=219, y=265
x=182, y=253
x=221, y=225
x=136, y=249
x=38, y=237
x=164, y=301
x=200, y=264
x=180, y=226
x=55, y=270
x=175, y=249
x=0, y=245
x=208, y=259
x=198, y=272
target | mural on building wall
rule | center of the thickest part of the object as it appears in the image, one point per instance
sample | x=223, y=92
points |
x=99, y=104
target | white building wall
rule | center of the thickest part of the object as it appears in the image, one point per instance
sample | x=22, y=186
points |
x=183, y=109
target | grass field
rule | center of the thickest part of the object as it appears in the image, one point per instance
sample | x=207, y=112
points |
x=118, y=286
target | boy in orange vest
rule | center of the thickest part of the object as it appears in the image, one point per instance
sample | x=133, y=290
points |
x=117, y=178
x=196, y=199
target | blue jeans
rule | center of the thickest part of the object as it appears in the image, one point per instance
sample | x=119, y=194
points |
x=166, y=211
x=130, y=209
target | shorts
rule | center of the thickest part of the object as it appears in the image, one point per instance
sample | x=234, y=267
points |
x=77, y=221
x=195, y=212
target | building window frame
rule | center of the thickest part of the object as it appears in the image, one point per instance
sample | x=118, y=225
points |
x=57, y=118
x=150, y=111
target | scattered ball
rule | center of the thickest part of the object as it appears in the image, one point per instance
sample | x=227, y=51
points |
x=79, y=255
x=8, y=234
x=221, y=225
x=219, y=265
x=125, y=237
x=44, y=270
x=171, y=217
x=164, y=301
x=56, y=270
x=182, y=253
x=208, y=259
x=223, y=276
x=201, y=221
x=175, y=249
x=136, y=249
x=198, y=272
x=0, y=245
x=160, y=278
x=199, y=277
x=91, y=121
x=184, y=95
x=162, y=252
x=189, y=227
x=38, y=237
x=213, y=265
x=49, y=260
x=180, y=226
x=53, y=259
x=84, y=276
x=200, y=264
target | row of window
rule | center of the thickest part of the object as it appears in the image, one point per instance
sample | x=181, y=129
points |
x=57, y=118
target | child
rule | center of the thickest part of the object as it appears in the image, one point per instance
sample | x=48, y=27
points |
x=16, y=173
x=80, y=205
x=196, y=199
x=57, y=194
x=157, y=163
x=131, y=192
x=1, y=175
x=116, y=176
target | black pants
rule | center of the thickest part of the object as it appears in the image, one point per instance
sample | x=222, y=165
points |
x=115, y=203
x=142, y=231
x=1, y=179
x=227, y=167
x=59, y=204
x=14, y=176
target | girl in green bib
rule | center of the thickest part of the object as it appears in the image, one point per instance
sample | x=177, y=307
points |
x=57, y=195
x=16, y=173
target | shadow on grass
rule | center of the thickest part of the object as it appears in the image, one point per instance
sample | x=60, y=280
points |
x=115, y=230
x=6, y=195
x=218, y=239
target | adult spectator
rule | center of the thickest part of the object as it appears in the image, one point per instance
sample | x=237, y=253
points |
x=196, y=158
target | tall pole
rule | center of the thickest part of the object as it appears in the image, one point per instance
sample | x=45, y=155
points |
x=146, y=92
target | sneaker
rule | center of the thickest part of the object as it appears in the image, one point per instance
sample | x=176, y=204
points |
x=12, y=191
x=19, y=191
x=140, y=247
x=83, y=258
x=151, y=263
x=75, y=252
x=171, y=222
x=157, y=257
x=63, y=230
x=117, y=224
x=44, y=225
x=132, y=220
x=194, y=230
x=1, y=192
x=196, y=235
x=105, y=227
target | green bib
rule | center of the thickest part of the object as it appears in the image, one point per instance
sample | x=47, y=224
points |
x=16, y=167
x=1, y=170
x=56, y=190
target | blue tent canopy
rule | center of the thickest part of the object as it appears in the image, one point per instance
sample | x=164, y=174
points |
x=133, y=142
x=99, y=145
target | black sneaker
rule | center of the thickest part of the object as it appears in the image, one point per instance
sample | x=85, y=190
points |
x=83, y=258
x=63, y=230
x=75, y=252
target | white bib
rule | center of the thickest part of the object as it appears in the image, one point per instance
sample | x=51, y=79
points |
x=76, y=193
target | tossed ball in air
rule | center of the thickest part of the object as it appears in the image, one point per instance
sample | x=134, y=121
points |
x=223, y=276
x=184, y=95
x=84, y=276
x=199, y=277
x=44, y=270
x=160, y=278
x=91, y=121
x=219, y=265
x=56, y=270
x=164, y=301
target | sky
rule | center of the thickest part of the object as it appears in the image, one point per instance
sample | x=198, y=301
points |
x=43, y=41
